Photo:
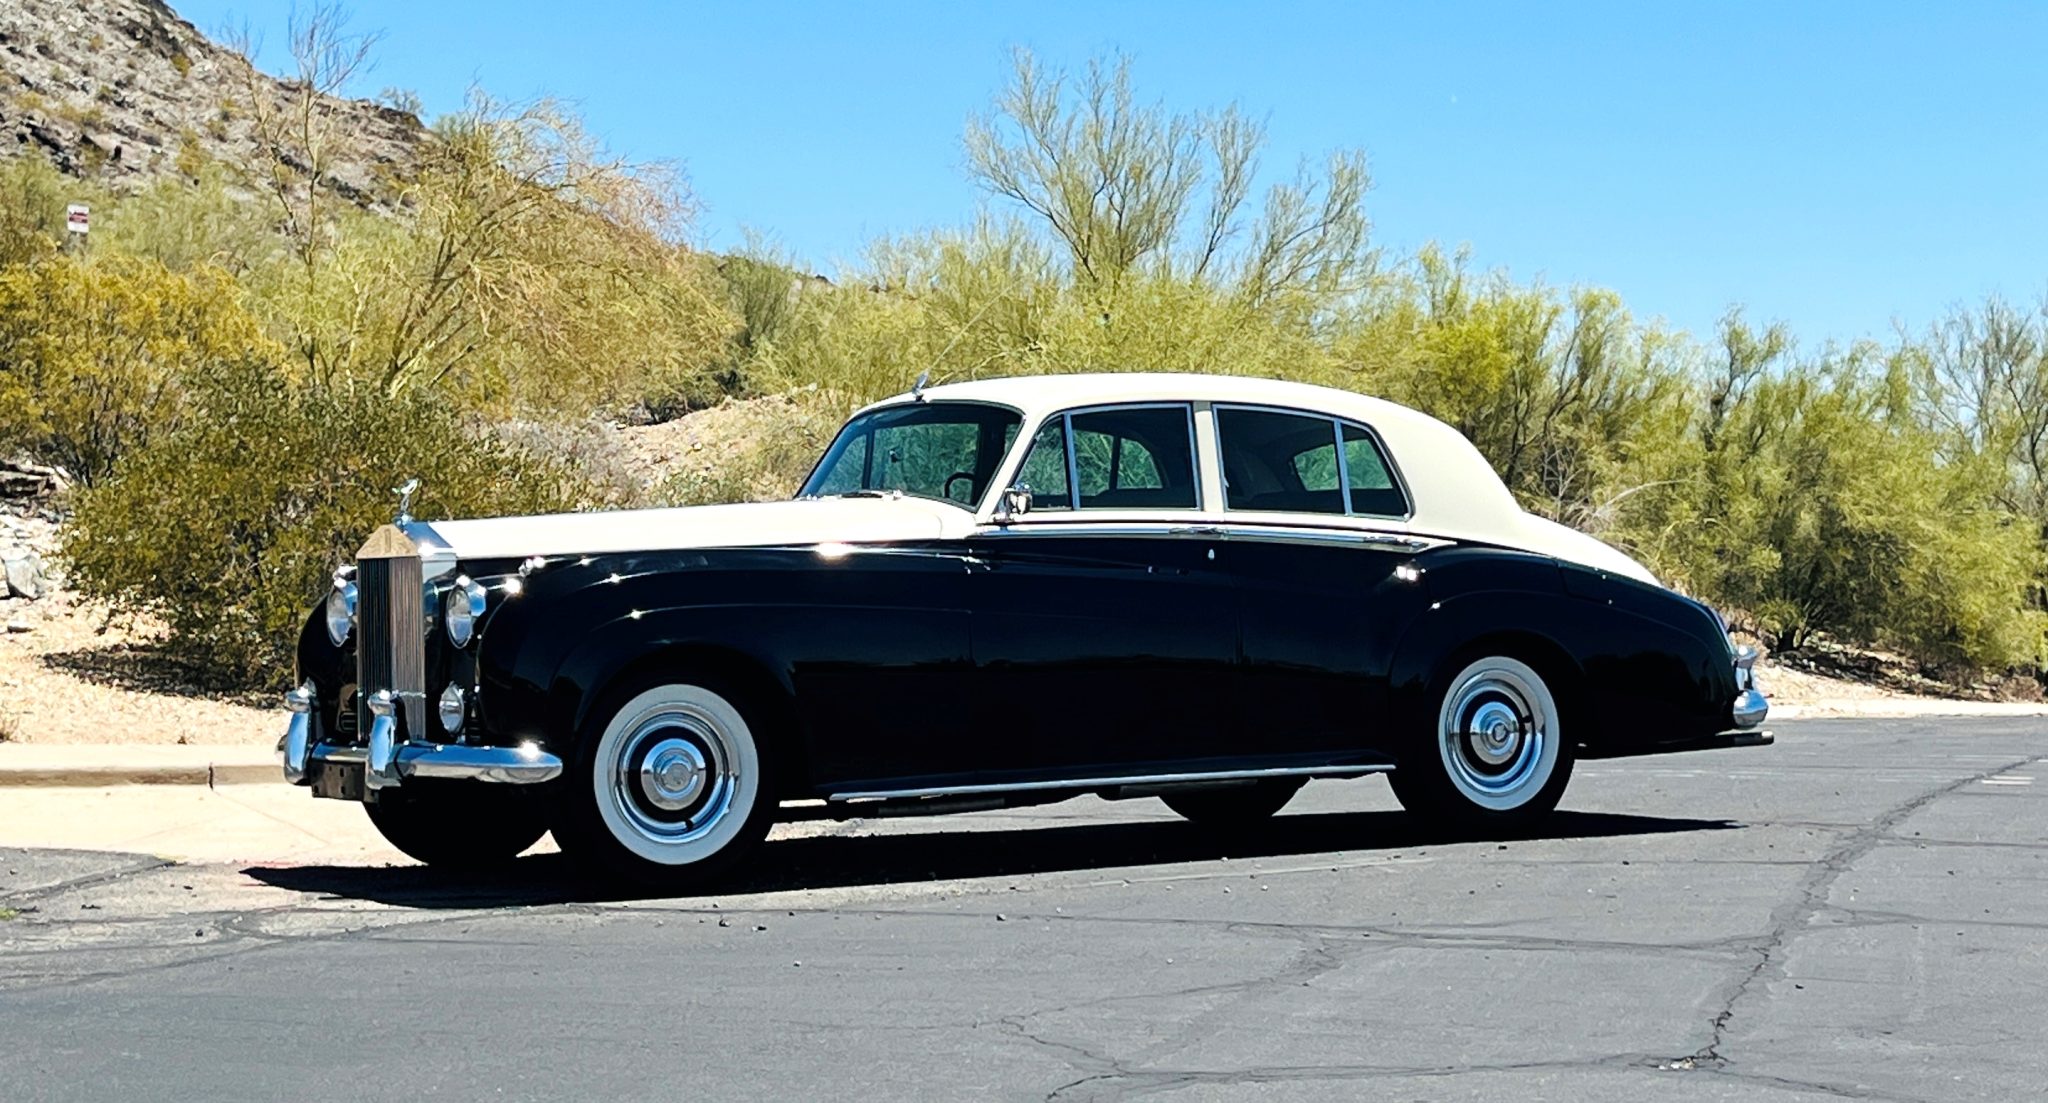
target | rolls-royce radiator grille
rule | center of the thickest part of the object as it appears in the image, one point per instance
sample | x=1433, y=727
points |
x=391, y=638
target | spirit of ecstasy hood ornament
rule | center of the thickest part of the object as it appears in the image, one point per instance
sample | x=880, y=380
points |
x=405, y=493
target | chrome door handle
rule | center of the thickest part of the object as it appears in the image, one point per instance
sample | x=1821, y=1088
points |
x=1196, y=530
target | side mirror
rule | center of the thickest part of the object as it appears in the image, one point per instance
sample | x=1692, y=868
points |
x=1014, y=503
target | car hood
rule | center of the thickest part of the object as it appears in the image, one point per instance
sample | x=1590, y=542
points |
x=759, y=524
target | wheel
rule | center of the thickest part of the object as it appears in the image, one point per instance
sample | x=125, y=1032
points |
x=670, y=787
x=1498, y=757
x=1236, y=806
x=459, y=824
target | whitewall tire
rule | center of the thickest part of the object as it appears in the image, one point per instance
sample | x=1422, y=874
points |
x=672, y=785
x=1498, y=753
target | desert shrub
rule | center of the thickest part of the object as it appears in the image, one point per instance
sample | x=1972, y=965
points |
x=93, y=355
x=228, y=528
x=33, y=195
x=760, y=450
x=530, y=272
x=1817, y=503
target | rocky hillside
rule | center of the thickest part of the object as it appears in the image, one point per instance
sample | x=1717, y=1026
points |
x=116, y=90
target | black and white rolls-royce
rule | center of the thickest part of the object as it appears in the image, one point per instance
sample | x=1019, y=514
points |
x=989, y=594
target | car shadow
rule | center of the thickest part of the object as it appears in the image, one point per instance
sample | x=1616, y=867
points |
x=842, y=861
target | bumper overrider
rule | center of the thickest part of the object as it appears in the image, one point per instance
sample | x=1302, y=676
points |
x=386, y=760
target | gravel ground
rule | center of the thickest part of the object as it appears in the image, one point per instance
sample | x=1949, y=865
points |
x=69, y=674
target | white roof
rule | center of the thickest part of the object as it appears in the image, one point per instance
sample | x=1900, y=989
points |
x=1455, y=492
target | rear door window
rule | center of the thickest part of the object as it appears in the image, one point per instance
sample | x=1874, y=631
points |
x=1287, y=462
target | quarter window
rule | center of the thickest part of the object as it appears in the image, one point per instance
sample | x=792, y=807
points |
x=1275, y=462
x=1373, y=490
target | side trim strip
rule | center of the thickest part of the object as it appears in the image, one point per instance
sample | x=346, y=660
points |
x=1106, y=782
x=1209, y=530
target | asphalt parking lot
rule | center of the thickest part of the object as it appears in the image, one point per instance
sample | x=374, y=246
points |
x=1858, y=912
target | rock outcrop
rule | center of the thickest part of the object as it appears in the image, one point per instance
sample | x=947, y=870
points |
x=116, y=90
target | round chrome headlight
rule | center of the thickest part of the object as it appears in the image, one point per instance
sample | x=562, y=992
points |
x=454, y=708
x=341, y=611
x=464, y=607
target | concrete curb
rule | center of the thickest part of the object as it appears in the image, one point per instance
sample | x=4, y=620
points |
x=100, y=778
x=102, y=766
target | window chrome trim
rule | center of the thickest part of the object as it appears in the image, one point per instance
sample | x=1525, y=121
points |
x=1210, y=528
x=1073, y=465
x=1112, y=780
x=1343, y=465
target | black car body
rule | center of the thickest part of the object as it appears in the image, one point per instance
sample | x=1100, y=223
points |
x=1208, y=589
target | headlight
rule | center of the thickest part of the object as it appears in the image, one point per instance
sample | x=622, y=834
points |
x=465, y=606
x=341, y=610
x=454, y=708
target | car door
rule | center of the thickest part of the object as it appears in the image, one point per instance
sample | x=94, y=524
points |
x=1104, y=634
x=1317, y=555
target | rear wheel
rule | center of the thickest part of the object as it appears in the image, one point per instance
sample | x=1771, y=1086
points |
x=670, y=788
x=1498, y=758
x=1236, y=806
x=459, y=824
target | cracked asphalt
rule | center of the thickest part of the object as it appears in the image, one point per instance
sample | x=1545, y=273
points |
x=1856, y=913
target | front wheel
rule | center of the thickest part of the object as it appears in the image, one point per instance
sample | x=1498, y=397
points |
x=462, y=825
x=670, y=787
x=1498, y=758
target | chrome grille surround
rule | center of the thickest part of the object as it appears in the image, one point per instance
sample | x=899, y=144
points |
x=392, y=574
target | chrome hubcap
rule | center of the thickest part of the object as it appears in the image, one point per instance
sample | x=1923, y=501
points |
x=1497, y=733
x=673, y=774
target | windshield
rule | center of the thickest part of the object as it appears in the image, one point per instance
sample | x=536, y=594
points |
x=943, y=450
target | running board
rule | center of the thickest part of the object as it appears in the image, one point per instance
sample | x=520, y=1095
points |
x=1086, y=784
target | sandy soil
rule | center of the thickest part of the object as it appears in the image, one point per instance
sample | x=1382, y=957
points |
x=67, y=681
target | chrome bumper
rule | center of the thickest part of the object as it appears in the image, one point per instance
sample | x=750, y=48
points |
x=1750, y=707
x=301, y=747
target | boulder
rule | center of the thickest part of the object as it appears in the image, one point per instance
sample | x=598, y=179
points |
x=25, y=576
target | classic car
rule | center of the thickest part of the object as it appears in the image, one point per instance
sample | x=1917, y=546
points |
x=989, y=594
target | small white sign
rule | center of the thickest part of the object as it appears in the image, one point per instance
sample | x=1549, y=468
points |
x=78, y=218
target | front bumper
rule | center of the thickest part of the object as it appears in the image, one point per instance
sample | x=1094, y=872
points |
x=1750, y=706
x=302, y=754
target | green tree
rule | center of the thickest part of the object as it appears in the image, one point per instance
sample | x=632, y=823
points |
x=93, y=354
x=227, y=529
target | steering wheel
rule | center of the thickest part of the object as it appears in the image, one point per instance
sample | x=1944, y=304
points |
x=947, y=488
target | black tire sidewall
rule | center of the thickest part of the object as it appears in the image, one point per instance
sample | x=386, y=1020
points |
x=459, y=824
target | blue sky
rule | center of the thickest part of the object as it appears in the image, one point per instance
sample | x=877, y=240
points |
x=1844, y=167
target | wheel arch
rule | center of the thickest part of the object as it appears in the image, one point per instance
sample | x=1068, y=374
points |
x=769, y=698
x=1453, y=635
x=1561, y=673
